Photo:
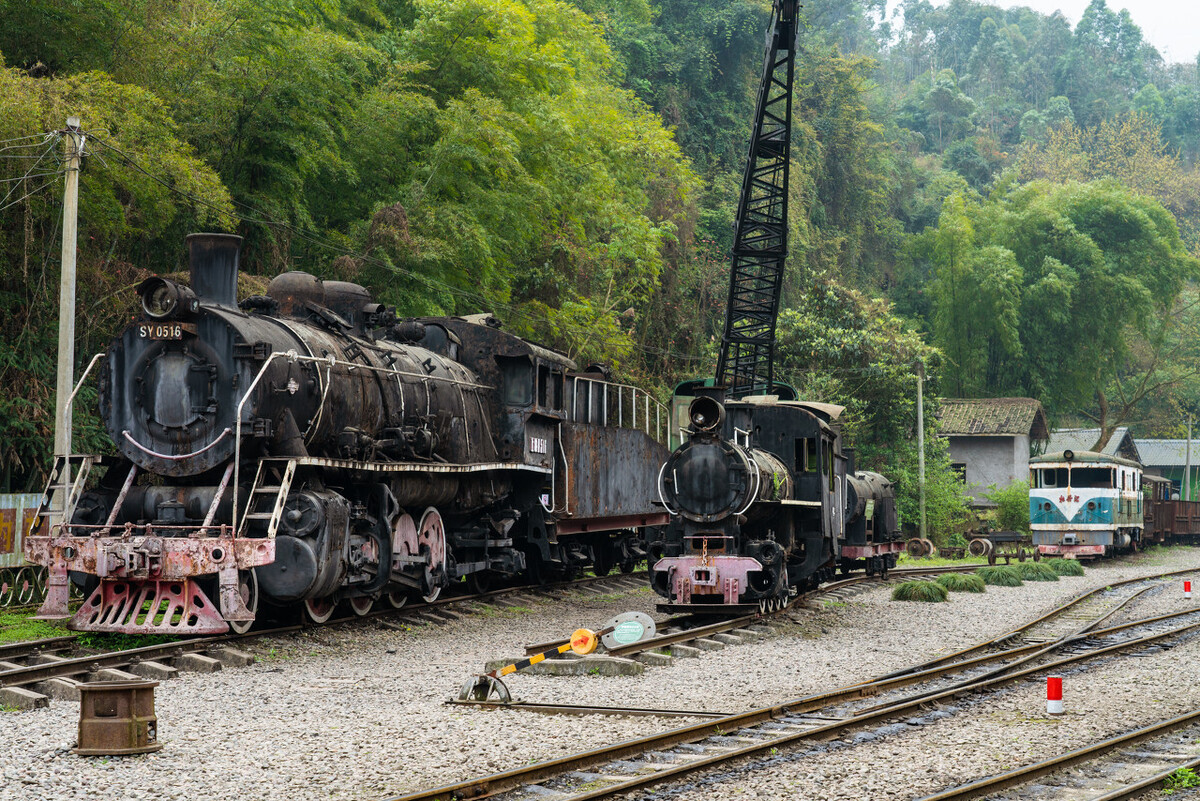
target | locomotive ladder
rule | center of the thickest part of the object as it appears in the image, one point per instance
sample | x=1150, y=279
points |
x=267, y=500
x=55, y=485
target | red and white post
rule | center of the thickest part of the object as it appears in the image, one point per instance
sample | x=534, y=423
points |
x=1187, y=589
x=1054, y=705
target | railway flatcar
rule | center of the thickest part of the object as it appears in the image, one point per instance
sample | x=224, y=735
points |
x=765, y=503
x=306, y=447
x=1084, y=504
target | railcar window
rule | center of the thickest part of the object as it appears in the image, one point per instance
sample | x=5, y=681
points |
x=517, y=374
x=1094, y=477
x=1049, y=477
x=806, y=455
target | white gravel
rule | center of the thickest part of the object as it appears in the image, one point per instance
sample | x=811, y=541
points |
x=352, y=713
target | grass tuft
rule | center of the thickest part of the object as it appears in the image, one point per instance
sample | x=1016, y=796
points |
x=961, y=582
x=1000, y=576
x=1065, y=567
x=929, y=591
x=1036, y=571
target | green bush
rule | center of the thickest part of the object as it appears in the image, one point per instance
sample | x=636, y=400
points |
x=1012, y=506
x=1036, y=571
x=1004, y=576
x=929, y=591
x=961, y=582
x=1065, y=567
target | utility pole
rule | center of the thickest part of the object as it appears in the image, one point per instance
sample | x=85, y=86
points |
x=1187, y=461
x=921, y=439
x=74, y=139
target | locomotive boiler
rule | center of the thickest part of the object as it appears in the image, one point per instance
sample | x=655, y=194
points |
x=764, y=504
x=306, y=446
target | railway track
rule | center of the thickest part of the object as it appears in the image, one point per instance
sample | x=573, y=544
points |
x=47, y=674
x=1130, y=765
x=1015, y=655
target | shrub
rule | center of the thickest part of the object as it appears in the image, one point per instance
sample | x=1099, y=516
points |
x=961, y=582
x=1012, y=506
x=929, y=591
x=1036, y=571
x=1065, y=567
x=1006, y=576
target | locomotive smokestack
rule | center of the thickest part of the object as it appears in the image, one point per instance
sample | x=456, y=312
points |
x=213, y=259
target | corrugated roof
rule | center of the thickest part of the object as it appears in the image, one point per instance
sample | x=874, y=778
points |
x=1167, y=452
x=981, y=417
x=1120, y=443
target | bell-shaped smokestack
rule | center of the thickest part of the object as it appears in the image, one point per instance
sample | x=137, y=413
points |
x=213, y=259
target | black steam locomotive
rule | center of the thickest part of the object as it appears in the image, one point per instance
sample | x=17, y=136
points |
x=765, y=503
x=308, y=446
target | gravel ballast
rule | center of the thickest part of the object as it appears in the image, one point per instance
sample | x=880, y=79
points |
x=357, y=712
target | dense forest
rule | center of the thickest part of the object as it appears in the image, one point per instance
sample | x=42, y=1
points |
x=1005, y=198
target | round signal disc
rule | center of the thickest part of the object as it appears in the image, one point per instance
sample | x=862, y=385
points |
x=583, y=641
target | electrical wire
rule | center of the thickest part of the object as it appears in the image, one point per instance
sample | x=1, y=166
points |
x=32, y=167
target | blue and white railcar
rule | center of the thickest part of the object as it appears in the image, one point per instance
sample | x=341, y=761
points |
x=1084, y=504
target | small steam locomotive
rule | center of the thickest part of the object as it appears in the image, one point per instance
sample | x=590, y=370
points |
x=765, y=503
x=306, y=446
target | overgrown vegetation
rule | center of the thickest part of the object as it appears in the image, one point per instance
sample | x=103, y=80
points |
x=1000, y=576
x=961, y=582
x=927, y=591
x=1065, y=567
x=1036, y=571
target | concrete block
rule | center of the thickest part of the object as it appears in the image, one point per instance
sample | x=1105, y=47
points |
x=231, y=657
x=197, y=663
x=705, y=644
x=728, y=639
x=587, y=666
x=760, y=630
x=60, y=689
x=747, y=634
x=111, y=674
x=10, y=666
x=45, y=659
x=654, y=659
x=684, y=651
x=153, y=670
x=20, y=698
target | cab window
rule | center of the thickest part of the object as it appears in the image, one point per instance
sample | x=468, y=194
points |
x=516, y=374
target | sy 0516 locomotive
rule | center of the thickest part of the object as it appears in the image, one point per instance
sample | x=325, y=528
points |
x=308, y=447
x=764, y=504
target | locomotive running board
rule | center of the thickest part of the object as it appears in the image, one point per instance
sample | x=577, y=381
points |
x=149, y=606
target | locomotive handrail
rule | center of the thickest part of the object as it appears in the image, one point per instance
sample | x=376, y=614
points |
x=659, y=407
x=176, y=457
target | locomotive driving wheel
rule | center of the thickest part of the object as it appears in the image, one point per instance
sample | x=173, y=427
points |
x=319, y=610
x=361, y=605
x=248, y=589
x=431, y=534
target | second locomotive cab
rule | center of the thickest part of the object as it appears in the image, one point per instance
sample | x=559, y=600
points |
x=306, y=446
x=765, y=503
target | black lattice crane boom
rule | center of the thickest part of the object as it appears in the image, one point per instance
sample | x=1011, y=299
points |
x=745, y=366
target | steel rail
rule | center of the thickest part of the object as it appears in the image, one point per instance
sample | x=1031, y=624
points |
x=32, y=674
x=1019, y=630
x=1025, y=773
x=509, y=780
x=583, y=709
x=11, y=650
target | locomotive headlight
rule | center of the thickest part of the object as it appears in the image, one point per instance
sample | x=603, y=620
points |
x=706, y=413
x=165, y=300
